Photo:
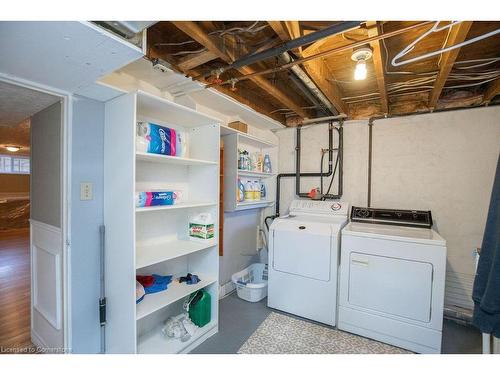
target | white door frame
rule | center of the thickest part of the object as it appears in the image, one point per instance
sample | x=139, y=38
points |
x=67, y=114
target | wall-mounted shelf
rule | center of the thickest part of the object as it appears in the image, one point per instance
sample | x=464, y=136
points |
x=246, y=138
x=245, y=173
x=154, y=240
x=233, y=141
x=253, y=204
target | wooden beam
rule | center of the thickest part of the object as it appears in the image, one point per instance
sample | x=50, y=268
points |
x=378, y=63
x=201, y=36
x=197, y=33
x=457, y=35
x=491, y=91
x=281, y=29
x=196, y=60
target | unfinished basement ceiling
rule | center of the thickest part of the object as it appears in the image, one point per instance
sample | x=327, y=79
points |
x=468, y=76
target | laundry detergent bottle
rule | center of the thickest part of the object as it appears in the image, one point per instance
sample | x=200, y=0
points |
x=200, y=307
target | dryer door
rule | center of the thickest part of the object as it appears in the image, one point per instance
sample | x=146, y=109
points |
x=393, y=286
x=303, y=248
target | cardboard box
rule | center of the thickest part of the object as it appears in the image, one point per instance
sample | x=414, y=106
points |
x=238, y=125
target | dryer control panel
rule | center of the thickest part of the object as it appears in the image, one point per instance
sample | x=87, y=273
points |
x=319, y=207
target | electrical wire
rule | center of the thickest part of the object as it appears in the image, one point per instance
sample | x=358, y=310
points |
x=188, y=52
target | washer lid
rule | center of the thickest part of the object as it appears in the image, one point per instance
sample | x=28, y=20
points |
x=395, y=233
x=329, y=224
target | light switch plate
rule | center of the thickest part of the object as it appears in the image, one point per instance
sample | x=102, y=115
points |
x=86, y=191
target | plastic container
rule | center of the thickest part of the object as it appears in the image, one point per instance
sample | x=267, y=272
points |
x=251, y=283
x=200, y=307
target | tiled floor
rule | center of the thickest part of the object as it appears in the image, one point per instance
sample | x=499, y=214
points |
x=239, y=319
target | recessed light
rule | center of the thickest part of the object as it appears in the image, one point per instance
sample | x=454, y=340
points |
x=13, y=148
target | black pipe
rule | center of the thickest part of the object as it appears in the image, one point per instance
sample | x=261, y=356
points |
x=252, y=58
x=297, y=161
x=370, y=149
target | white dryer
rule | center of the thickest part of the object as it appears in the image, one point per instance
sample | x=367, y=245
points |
x=392, y=278
x=303, y=259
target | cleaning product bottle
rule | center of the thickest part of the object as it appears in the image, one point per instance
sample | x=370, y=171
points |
x=267, y=164
x=249, y=191
x=200, y=307
x=262, y=190
x=240, y=193
x=260, y=162
x=256, y=190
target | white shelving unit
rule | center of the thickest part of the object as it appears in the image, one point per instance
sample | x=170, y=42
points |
x=234, y=140
x=143, y=241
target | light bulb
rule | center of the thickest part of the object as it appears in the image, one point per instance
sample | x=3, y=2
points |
x=13, y=148
x=360, y=71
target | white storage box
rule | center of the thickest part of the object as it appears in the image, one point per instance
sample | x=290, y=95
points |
x=251, y=283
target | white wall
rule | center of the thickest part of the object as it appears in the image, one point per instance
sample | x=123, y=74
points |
x=86, y=217
x=444, y=162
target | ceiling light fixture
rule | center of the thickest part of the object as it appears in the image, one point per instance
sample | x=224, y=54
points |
x=13, y=148
x=361, y=55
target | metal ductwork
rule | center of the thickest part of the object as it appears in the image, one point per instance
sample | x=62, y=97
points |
x=317, y=98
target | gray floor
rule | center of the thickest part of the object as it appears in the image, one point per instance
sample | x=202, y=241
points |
x=238, y=319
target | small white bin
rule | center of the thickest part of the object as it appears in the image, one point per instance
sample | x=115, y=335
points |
x=251, y=283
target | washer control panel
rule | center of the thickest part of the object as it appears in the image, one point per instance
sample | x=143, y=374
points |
x=319, y=207
x=411, y=218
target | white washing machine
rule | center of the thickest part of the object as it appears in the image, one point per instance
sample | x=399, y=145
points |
x=303, y=259
x=392, y=277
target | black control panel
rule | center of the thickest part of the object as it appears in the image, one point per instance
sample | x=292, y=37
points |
x=409, y=218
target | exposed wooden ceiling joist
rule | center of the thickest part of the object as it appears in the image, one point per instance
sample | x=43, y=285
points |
x=492, y=90
x=378, y=63
x=191, y=62
x=201, y=36
x=457, y=34
x=197, y=33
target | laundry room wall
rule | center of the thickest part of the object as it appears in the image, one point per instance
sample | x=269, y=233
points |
x=444, y=162
x=87, y=165
x=240, y=228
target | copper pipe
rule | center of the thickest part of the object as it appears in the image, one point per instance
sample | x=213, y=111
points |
x=323, y=54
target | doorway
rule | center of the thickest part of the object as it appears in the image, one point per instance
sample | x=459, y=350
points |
x=32, y=220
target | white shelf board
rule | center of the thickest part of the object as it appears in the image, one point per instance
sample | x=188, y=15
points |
x=176, y=206
x=155, y=342
x=146, y=255
x=175, y=160
x=246, y=138
x=253, y=204
x=153, y=106
x=242, y=172
x=222, y=103
x=176, y=291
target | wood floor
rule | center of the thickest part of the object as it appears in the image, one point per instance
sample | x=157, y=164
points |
x=14, y=289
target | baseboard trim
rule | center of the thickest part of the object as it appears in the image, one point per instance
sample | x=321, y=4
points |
x=226, y=289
